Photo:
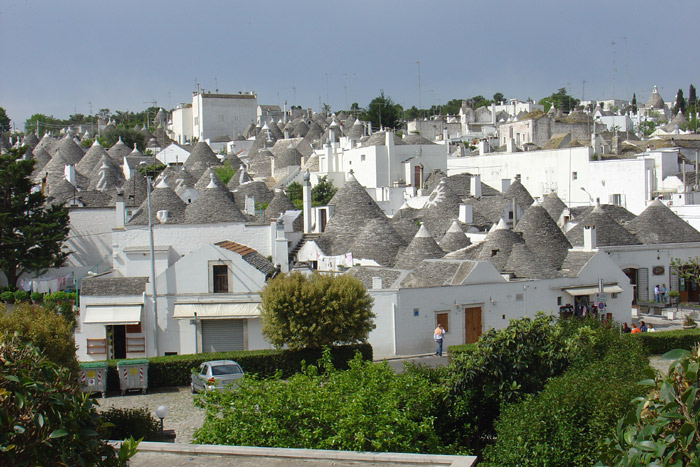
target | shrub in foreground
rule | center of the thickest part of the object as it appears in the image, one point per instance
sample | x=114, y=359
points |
x=563, y=424
x=124, y=423
x=44, y=418
x=365, y=408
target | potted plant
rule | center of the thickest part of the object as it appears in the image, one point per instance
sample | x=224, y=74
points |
x=689, y=322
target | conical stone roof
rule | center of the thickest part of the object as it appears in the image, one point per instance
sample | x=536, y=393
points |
x=119, y=151
x=30, y=140
x=91, y=159
x=543, y=236
x=257, y=189
x=440, y=209
x=524, y=263
x=423, y=246
x=406, y=227
x=41, y=157
x=553, y=205
x=454, y=239
x=203, y=155
x=163, y=198
x=48, y=144
x=356, y=131
x=300, y=129
x=498, y=245
x=517, y=191
x=70, y=150
x=105, y=176
x=280, y=203
x=213, y=205
x=658, y=224
x=261, y=165
x=377, y=241
x=241, y=176
x=608, y=232
x=135, y=190
x=353, y=206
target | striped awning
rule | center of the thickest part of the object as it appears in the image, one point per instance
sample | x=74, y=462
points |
x=216, y=310
x=113, y=314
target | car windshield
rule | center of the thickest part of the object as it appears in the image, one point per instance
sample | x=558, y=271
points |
x=225, y=370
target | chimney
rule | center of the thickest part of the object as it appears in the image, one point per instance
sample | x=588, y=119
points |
x=70, y=174
x=589, y=238
x=306, y=203
x=162, y=216
x=466, y=213
x=250, y=205
x=120, y=211
x=483, y=147
x=505, y=184
x=476, y=181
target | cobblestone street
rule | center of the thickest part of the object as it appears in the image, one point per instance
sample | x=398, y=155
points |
x=183, y=416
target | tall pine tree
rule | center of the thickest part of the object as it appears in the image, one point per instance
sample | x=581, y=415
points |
x=31, y=233
x=679, y=105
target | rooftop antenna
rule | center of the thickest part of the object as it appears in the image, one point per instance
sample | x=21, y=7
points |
x=420, y=106
x=216, y=82
x=614, y=70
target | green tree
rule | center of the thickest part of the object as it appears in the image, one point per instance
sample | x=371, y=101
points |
x=224, y=172
x=310, y=312
x=646, y=128
x=383, y=112
x=129, y=136
x=561, y=100
x=498, y=97
x=4, y=121
x=44, y=328
x=368, y=407
x=634, y=103
x=572, y=413
x=44, y=418
x=45, y=123
x=295, y=193
x=31, y=233
x=664, y=428
x=692, y=108
x=478, y=101
x=679, y=105
x=322, y=193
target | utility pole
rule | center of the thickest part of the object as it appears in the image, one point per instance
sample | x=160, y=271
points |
x=420, y=105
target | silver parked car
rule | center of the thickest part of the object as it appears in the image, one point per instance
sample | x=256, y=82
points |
x=215, y=375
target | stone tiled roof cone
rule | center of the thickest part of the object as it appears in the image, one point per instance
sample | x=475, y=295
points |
x=543, y=236
x=213, y=205
x=658, y=224
x=423, y=246
x=608, y=232
x=163, y=198
x=377, y=241
x=454, y=239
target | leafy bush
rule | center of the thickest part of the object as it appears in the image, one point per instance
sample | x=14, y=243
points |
x=21, y=296
x=44, y=418
x=301, y=312
x=657, y=343
x=37, y=297
x=562, y=425
x=366, y=408
x=136, y=423
x=509, y=363
x=663, y=430
x=7, y=296
x=62, y=303
x=47, y=330
x=453, y=350
x=176, y=370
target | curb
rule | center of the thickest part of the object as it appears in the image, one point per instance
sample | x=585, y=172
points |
x=301, y=454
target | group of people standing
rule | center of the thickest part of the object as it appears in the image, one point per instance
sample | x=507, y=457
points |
x=660, y=293
x=635, y=329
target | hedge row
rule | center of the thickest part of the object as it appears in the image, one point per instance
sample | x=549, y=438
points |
x=657, y=343
x=453, y=350
x=176, y=370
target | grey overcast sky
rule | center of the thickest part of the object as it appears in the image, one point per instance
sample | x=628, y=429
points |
x=61, y=57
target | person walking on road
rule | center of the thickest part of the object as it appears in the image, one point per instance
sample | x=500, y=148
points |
x=439, y=336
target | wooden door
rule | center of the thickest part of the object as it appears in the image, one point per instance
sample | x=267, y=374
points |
x=472, y=324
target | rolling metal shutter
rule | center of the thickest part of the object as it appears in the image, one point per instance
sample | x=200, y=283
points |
x=222, y=335
x=643, y=284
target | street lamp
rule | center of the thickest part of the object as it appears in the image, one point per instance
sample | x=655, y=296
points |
x=161, y=412
x=590, y=198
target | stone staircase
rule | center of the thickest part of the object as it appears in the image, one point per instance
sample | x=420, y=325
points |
x=293, y=254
